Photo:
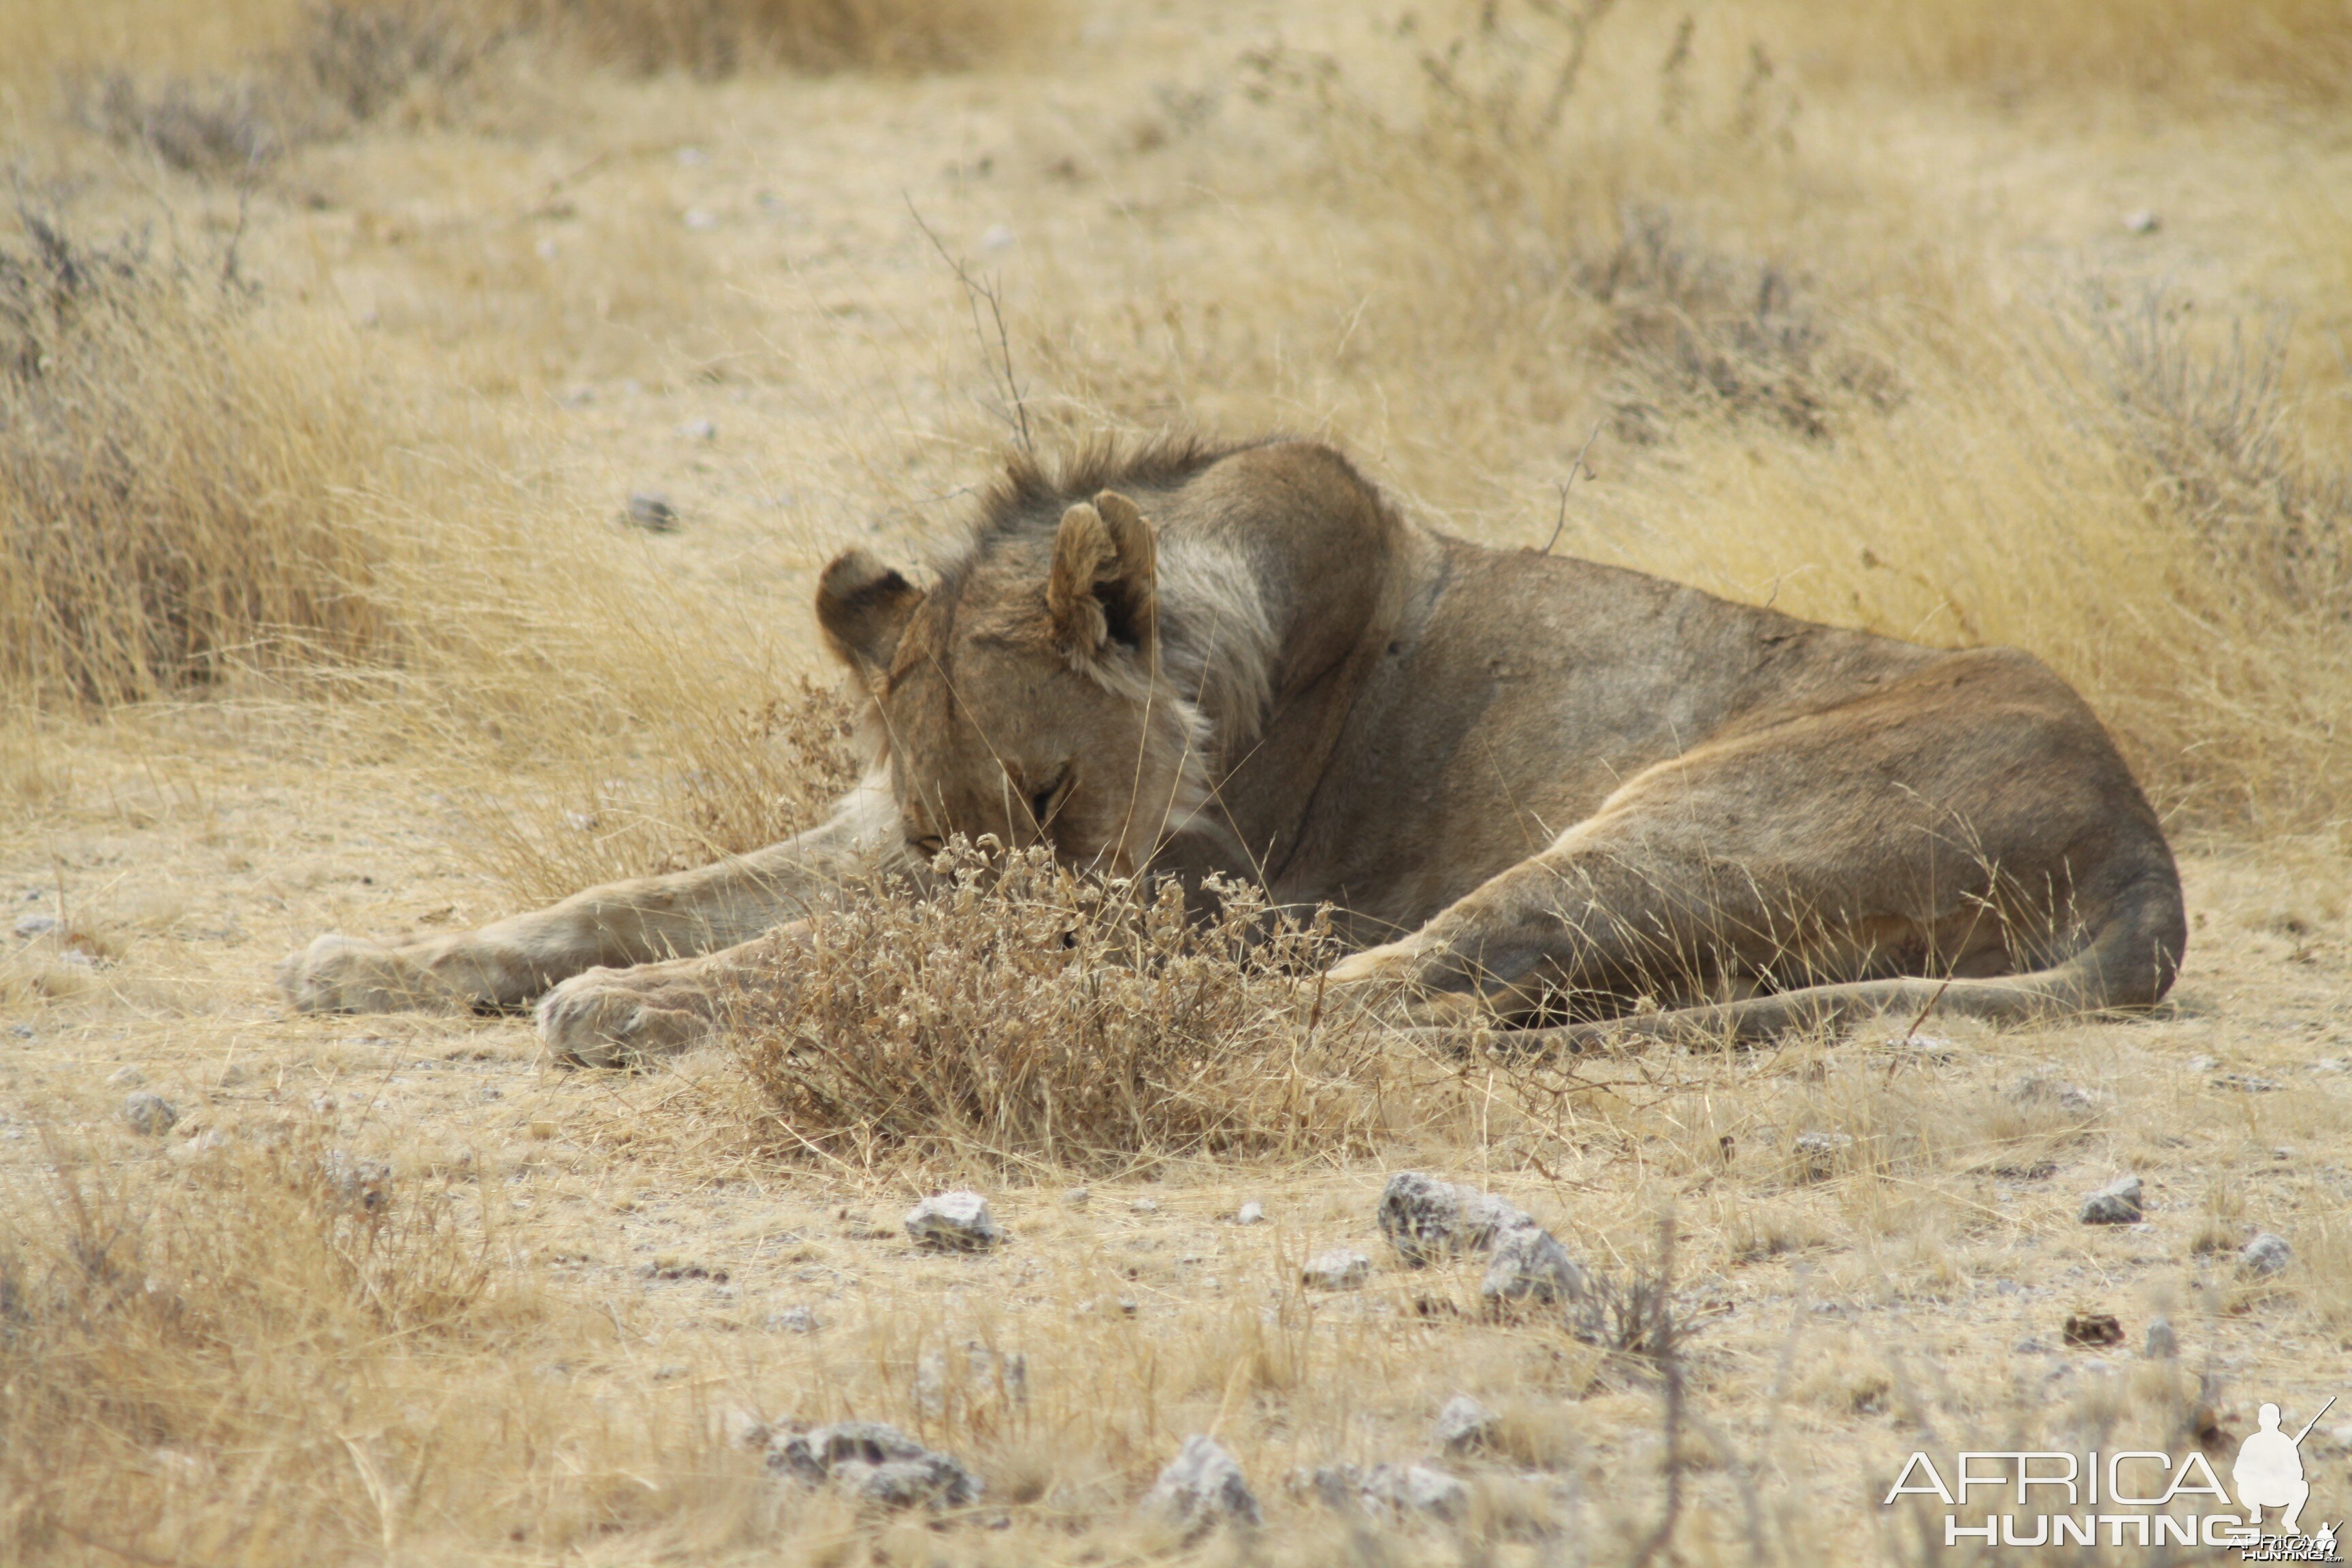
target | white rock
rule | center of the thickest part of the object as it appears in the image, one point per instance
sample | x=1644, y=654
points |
x=2266, y=1254
x=793, y=1320
x=127, y=1077
x=1145, y=1206
x=2117, y=1202
x=30, y=926
x=1078, y=1197
x=1340, y=1268
x=150, y=1113
x=1424, y=1218
x=699, y=430
x=1203, y=1487
x=1251, y=1213
x=1529, y=1266
x=1818, y=1153
x=701, y=220
x=875, y=1463
x=2163, y=1344
x=1464, y=1426
x=2142, y=222
x=958, y=1221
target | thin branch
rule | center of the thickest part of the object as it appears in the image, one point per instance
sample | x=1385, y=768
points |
x=1573, y=470
x=974, y=293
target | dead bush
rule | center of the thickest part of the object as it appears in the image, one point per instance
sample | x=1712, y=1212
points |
x=176, y=477
x=1026, y=1014
x=720, y=37
x=255, y=1318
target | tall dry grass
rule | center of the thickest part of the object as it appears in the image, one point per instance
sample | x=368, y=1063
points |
x=245, y=1353
x=179, y=478
x=223, y=91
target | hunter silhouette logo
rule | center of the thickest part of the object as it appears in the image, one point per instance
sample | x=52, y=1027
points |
x=2268, y=1471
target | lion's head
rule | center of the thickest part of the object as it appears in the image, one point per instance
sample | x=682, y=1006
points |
x=1023, y=696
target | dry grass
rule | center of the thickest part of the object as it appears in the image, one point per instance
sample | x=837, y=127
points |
x=177, y=478
x=1026, y=1018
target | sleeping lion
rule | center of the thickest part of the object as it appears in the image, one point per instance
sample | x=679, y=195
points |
x=1539, y=793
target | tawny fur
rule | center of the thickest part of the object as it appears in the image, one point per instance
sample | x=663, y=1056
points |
x=1542, y=793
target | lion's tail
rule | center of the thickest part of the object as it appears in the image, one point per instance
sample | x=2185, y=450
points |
x=2129, y=962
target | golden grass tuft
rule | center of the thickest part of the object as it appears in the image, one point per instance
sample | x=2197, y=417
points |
x=1025, y=1015
x=177, y=479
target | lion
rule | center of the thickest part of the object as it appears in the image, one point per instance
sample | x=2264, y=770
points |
x=1536, y=794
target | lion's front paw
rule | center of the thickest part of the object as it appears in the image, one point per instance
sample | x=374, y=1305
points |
x=344, y=974
x=621, y=1017
x=1404, y=984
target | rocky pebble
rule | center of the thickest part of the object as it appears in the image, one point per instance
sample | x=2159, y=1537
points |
x=2117, y=1202
x=1530, y=1267
x=2266, y=1254
x=956, y=1221
x=1424, y=1218
x=1390, y=1489
x=1466, y=1427
x=1251, y=1213
x=1203, y=1487
x=150, y=1113
x=1342, y=1268
x=875, y=1463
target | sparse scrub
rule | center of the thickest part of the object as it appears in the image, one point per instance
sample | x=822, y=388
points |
x=177, y=478
x=1024, y=1015
x=264, y=1318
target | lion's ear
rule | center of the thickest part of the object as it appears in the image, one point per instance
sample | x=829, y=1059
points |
x=863, y=607
x=1102, y=587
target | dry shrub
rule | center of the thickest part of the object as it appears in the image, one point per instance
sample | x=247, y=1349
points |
x=255, y=1320
x=330, y=66
x=718, y=38
x=1025, y=1014
x=177, y=478
x=2195, y=52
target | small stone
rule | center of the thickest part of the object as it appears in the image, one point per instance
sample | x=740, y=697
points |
x=1000, y=237
x=127, y=1077
x=22, y=1031
x=699, y=430
x=2244, y=1083
x=1424, y=1218
x=1145, y=1206
x=1338, y=1269
x=2266, y=1254
x=2163, y=1344
x=1417, y=1488
x=1530, y=1266
x=929, y=1481
x=2117, y=1202
x=954, y=1222
x=1818, y=1152
x=150, y=1113
x=1251, y=1213
x=362, y=1183
x=1078, y=1197
x=1465, y=1426
x=1203, y=1487
x=793, y=1320
x=701, y=220
x=2142, y=222
x=30, y=926
x=2202, y=1064
x=692, y=157
x=651, y=510
x=875, y=1463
